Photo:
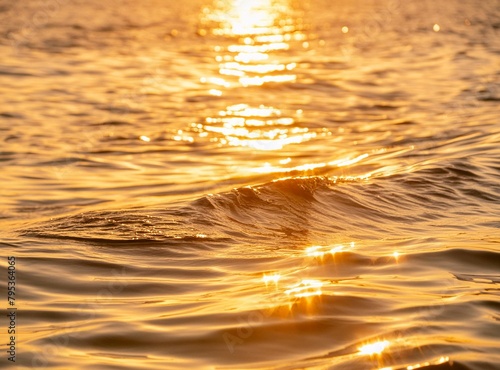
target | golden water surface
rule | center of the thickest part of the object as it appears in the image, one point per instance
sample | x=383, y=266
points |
x=269, y=184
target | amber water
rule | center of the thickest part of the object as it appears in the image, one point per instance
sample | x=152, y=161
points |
x=264, y=184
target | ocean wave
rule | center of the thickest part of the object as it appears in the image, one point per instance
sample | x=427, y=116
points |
x=292, y=208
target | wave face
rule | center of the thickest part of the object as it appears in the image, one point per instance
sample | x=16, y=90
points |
x=252, y=185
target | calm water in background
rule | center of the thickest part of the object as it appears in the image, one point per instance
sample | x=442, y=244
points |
x=252, y=184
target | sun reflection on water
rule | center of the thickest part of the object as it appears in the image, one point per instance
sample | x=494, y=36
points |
x=440, y=361
x=322, y=251
x=374, y=348
x=306, y=288
x=260, y=128
x=303, y=287
x=343, y=162
x=258, y=29
x=255, y=46
x=253, y=37
x=396, y=256
x=274, y=278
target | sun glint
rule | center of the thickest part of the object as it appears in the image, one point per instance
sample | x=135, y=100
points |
x=374, y=348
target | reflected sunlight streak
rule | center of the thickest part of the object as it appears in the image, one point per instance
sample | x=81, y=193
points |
x=396, y=256
x=440, y=361
x=306, y=288
x=318, y=251
x=261, y=128
x=274, y=278
x=374, y=348
x=254, y=35
x=260, y=28
x=268, y=168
